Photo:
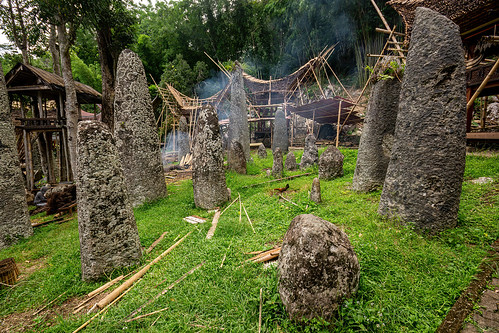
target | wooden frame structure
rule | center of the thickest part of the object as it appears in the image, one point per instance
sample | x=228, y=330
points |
x=37, y=104
x=264, y=97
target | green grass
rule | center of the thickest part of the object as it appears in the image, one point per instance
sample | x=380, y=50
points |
x=408, y=281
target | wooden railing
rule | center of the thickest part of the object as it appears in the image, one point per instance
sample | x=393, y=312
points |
x=41, y=123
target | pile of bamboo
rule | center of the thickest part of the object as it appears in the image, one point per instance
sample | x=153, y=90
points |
x=263, y=256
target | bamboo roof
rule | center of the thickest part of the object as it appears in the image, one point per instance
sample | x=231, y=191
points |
x=29, y=80
x=326, y=111
x=467, y=14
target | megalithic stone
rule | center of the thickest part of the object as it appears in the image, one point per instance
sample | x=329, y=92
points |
x=425, y=173
x=238, y=118
x=310, y=153
x=377, y=136
x=236, y=158
x=14, y=218
x=108, y=233
x=184, y=145
x=280, y=137
x=208, y=173
x=277, y=166
x=135, y=132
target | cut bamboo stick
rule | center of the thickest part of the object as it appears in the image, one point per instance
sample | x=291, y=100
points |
x=94, y=293
x=229, y=206
x=272, y=252
x=103, y=310
x=225, y=256
x=209, y=327
x=260, y=312
x=240, y=207
x=214, y=223
x=251, y=224
x=145, y=315
x=109, y=298
x=276, y=180
x=156, y=242
x=291, y=202
x=52, y=301
x=170, y=287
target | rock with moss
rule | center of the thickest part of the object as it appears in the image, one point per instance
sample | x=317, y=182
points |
x=310, y=153
x=236, y=158
x=14, y=218
x=331, y=164
x=135, y=132
x=208, y=173
x=318, y=268
x=425, y=174
x=108, y=233
x=280, y=138
x=262, y=151
x=315, y=191
x=238, y=117
x=277, y=166
x=290, y=163
x=377, y=136
x=184, y=145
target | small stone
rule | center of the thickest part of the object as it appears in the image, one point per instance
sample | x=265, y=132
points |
x=208, y=174
x=108, y=233
x=310, y=153
x=331, y=163
x=290, y=163
x=135, y=132
x=315, y=192
x=318, y=268
x=262, y=151
x=236, y=158
x=277, y=166
x=483, y=180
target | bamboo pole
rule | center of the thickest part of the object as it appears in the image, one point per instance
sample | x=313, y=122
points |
x=276, y=180
x=483, y=84
x=214, y=224
x=164, y=291
x=260, y=312
x=145, y=315
x=109, y=298
x=249, y=220
x=367, y=83
x=229, y=206
x=387, y=26
x=52, y=301
x=103, y=310
x=338, y=126
x=240, y=207
x=156, y=242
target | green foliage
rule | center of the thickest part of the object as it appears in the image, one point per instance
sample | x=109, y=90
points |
x=388, y=71
x=86, y=74
x=408, y=282
x=180, y=75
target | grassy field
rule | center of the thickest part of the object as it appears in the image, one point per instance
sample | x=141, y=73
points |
x=408, y=282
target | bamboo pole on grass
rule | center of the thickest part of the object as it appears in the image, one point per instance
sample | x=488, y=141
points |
x=109, y=298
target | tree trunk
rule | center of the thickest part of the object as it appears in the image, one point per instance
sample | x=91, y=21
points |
x=71, y=98
x=107, y=62
x=54, y=50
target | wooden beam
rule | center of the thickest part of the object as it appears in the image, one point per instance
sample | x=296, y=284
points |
x=483, y=136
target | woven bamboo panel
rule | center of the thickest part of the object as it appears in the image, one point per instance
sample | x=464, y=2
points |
x=8, y=271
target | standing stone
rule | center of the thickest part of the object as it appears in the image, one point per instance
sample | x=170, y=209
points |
x=331, y=164
x=208, y=174
x=425, y=173
x=377, y=136
x=14, y=218
x=310, y=153
x=277, y=165
x=280, y=135
x=290, y=163
x=183, y=140
x=135, y=132
x=236, y=158
x=318, y=268
x=238, y=118
x=262, y=151
x=108, y=233
x=315, y=192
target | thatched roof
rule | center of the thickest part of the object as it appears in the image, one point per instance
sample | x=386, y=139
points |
x=29, y=80
x=468, y=14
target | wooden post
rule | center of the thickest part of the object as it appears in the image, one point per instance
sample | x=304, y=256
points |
x=64, y=146
x=483, y=114
x=30, y=178
x=469, y=110
x=338, y=126
x=387, y=26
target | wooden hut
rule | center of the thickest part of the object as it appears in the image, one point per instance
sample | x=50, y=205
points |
x=478, y=22
x=37, y=104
